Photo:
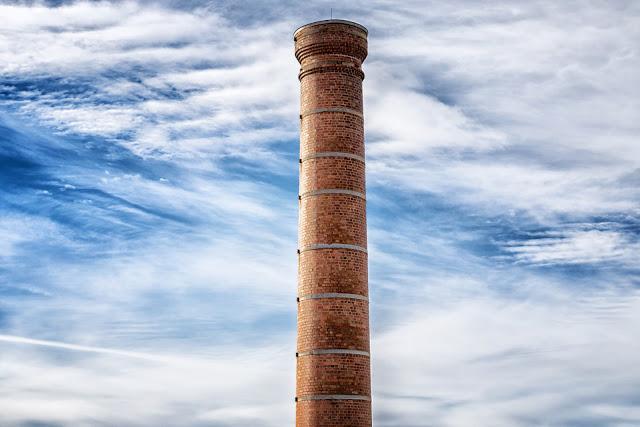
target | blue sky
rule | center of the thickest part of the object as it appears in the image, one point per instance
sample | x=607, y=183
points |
x=148, y=212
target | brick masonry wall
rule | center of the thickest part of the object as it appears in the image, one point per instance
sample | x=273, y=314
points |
x=333, y=323
x=327, y=132
x=333, y=385
x=332, y=270
x=331, y=89
x=327, y=413
x=332, y=218
x=332, y=172
x=325, y=374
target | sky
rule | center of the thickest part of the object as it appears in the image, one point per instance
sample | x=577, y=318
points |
x=148, y=211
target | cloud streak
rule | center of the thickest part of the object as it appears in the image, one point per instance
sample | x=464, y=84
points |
x=148, y=167
x=89, y=349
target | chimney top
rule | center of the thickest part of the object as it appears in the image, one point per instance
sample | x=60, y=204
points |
x=331, y=21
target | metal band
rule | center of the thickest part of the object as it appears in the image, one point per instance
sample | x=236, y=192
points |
x=332, y=110
x=332, y=154
x=333, y=295
x=332, y=246
x=332, y=191
x=333, y=397
x=332, y=351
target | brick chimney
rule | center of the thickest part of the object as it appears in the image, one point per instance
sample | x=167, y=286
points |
x=333, y=385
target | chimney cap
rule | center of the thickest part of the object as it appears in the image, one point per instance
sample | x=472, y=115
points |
x=331, y=21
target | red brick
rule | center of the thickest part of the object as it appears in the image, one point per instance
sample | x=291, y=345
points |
x=332, y=270
x=333, y=323
x=327, y=132
x=333, y=374
x=326, y=413
x=332, y=172
x=333, y=218
x=331, y=121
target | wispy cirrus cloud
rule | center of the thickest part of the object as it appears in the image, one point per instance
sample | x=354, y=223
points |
x=551, y=357
x=540, y=116
x=99, y=382
x=148, y=180
x=156, y=91
x=577, y=247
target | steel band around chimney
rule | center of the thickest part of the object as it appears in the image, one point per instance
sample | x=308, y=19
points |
x=333, y=295
x=332, y=110
x=322, y=351
x=332, y=154
x=332, y=397
x=332, y=191
x=332, y=246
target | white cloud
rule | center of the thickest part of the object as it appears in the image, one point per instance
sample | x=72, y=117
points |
x=577, y=247
x=191, y=109
x=74, y=347
x=407, y=123
x=548, y=89
x=18, y=230
x=104, y=121
x=525, y=109
x=170, y=390
x=478, y=109
x=554, y=357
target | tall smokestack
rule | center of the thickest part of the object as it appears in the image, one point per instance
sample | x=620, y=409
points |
x=333, y=384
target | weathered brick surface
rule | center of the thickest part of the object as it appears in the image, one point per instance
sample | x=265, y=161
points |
x=333, y=374
x=328, y=132
x=333, y=323
x=331, y=89
x=333, y=218
x=332, y=172
x=331, y=54
x=332, y=270
x=327, y=413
